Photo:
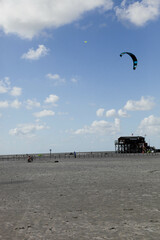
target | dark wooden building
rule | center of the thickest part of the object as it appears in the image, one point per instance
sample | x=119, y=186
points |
x=131, y=144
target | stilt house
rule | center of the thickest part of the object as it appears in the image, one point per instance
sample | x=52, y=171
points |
x=131, y=144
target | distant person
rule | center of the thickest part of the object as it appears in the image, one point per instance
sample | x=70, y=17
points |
x=30, y=159
x=74, y=154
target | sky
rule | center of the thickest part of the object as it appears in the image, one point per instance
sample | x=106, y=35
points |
x=63, y=84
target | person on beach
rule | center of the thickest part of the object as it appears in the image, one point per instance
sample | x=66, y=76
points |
x=74, y=154
x=30, y=159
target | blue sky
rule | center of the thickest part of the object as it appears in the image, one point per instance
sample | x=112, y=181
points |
x=58, y=92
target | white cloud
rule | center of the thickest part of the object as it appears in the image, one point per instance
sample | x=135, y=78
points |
x=3, y=89
x=101, y=127
x=4, y=104
x=44, y=113
x=83, y=27
x=26, y=130
x=56, y=78
x=111, y=113
x=123, y=3
x=143, y=104
x=52, y=99
x=15, y=104
x=32, y=103
x=16, y=91
x=149, y=126
x=139, y=13
x=100, y=112
x=74, y=80
x=122, y=113
x=7, y=80
x=28, y=18
x=4, y=85
x=32, y=54
x=53, y=76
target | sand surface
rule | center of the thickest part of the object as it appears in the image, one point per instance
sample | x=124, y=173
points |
x=81, y=199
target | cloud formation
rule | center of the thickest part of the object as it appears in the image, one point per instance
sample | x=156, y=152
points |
x=122, y=113
x=150, y=126
x=139, y=12
x=74, y=80
x=32, y=103
x=44, y=113
x=111, y=113
x=101, y=127
x=28, y=18
x=16, y=91
x=143, y=104
x=4, y=85
x=100, y=112
x=16, y=104
x=26, y=130
x=52, y=99
x=32, y=54
x=56, y=78
x=4, y=104
x=13, y=104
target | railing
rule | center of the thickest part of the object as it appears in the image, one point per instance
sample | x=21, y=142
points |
x=82, y=155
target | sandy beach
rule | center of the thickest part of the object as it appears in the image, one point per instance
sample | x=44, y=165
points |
x=114, y=198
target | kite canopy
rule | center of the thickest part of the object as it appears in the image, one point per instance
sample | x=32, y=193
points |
x=133, y=58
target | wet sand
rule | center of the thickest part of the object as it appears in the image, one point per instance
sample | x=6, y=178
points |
x=81, y=199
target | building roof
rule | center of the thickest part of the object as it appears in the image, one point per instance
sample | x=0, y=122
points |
x=131, y=137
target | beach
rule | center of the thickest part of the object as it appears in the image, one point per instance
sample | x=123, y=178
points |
x=114, y=197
